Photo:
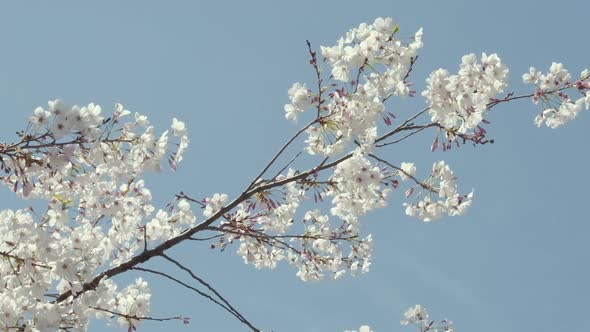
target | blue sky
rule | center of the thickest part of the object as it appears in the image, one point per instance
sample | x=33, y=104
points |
x=516, y=262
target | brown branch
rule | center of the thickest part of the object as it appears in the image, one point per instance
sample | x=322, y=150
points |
x=419, y=129
x=204, y=283
x=139, y=317
x=510, y=97
x=276, y=156
x=401, y=126
x=22, y=260
x=314, y=63
x=418, y=182
x=205, y=295
x=286, y=165
x=206, y=238
x=259, y=235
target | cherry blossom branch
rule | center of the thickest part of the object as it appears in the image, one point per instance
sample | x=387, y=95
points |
x=418, y=182
x=413, y=61
x=358, y=75
x=26, y=140
x=509, y=97
x=21, y=260
x=259, y=234
x=401, y=126
x=334, y=163
x=266, y=205
x=120, y=314
x=252, y=190
x=267, y=239
x=277, y=242
x=314, y=62
x=249, y=192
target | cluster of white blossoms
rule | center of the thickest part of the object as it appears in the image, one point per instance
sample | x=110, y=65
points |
x=459, y=102
x=558, y=107
x=357, y=189
x=301, y=98
x=449, y=200
x=88, y=168
x=322, y=252
x=363, y=328
x=418, y=317
x=379, y=64
x=257, y=231
x=134, y=299
x=268, y=235
x=373, y=44
x=407, y=170
x=61, y=120
x=214, y=204
x=317, y=251
x=351, y=117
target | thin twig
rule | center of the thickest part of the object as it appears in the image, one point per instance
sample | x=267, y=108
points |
x=260, y=235
x=287, y=165
x=276, y=156
x=420, y=128
x=205, y=295
x=206, y=238
x=418, y=182
x=138, y=317
x=204, y=283
x=402, y=126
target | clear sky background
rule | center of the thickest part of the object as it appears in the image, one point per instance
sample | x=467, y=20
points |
x=518, y=261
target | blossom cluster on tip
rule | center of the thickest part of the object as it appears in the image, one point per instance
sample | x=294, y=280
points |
x=449, y=201
x=418, y=317
x=374, y=44
x=357, y=188
x=88, y=169
x=363, y=328
x=415, y=315
x=214, y=204
x=350, y=113
x=459, y=102
x=301, y=98
x=407, y=170
x=550, y=89
x=61, y=120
